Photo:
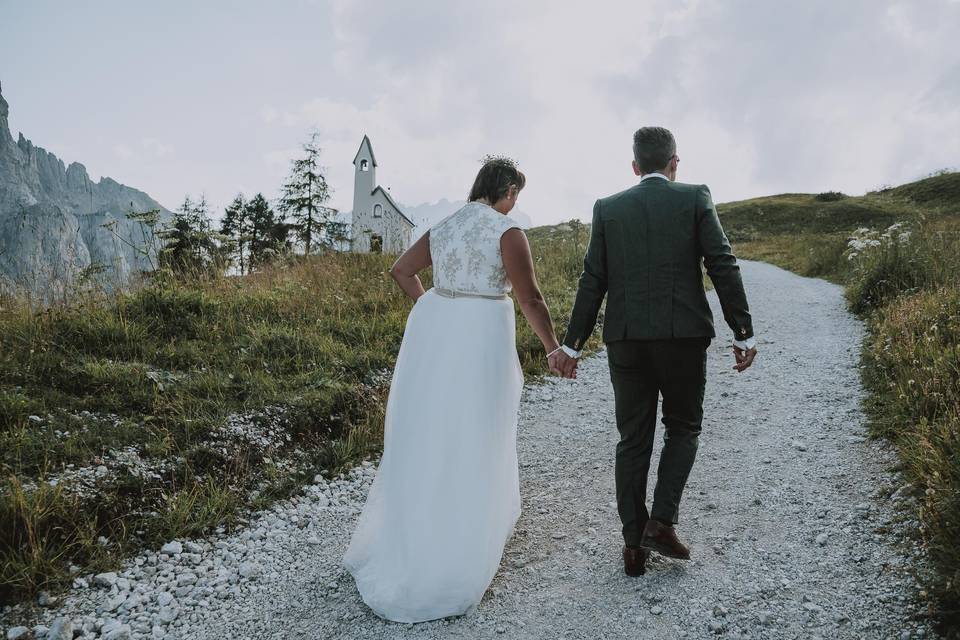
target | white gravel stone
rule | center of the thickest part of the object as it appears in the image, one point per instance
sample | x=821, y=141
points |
x=16, y=633
x=193, y=547
x=172, y=548
x=60, y=629
x=107, y=579
x=168, y=614
x=249, y=569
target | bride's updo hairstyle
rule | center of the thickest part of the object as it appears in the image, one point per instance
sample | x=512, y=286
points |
x=496, y=176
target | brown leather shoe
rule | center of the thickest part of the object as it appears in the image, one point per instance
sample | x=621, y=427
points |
x=663, y=539
x=635, y=561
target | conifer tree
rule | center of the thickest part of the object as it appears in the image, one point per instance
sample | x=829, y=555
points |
x=189, y=246
x=304, y=198
x=269, y=232
x=237, y=226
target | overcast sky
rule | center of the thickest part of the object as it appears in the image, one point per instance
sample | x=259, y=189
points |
x=764, y=97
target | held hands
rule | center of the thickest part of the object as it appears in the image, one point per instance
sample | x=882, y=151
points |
x=566, y=367
x=744, y=358
x=562, y=364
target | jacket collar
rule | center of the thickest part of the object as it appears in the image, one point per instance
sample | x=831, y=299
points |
x=654, y=175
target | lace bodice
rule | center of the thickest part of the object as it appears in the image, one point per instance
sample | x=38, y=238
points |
x=465, y=250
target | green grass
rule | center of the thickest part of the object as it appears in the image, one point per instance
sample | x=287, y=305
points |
x=908, y=290
x=160, y=370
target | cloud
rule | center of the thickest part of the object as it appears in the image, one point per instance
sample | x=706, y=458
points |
x=269, y=114
x=420, y=161
x=157, y=148
x=145, y=149
x=763, y=97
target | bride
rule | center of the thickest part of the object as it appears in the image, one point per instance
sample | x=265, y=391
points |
x=447, y=495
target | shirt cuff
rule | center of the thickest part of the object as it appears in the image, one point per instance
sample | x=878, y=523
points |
x=570, y=352
x=749, y=343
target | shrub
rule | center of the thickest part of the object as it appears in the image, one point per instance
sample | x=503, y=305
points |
x=825, y=257
x=888, y=273
x=899, y=261
x=15, y=407
x=39, y=529
x=829, y=196
x=171, y=311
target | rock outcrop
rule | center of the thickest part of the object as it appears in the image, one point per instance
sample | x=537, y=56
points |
x=56, y=224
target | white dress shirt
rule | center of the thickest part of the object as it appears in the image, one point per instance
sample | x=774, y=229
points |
x=749, y=343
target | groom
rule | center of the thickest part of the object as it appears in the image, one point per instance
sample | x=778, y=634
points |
x=646, y=248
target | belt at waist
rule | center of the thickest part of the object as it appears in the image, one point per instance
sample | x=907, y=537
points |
x=450, y=293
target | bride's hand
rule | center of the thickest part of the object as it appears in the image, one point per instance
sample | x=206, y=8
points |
x=744, y=358
x=552, y=362
x=563, y=365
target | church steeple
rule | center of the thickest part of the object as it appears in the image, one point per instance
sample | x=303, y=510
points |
x=365, y=175
x=365, y=151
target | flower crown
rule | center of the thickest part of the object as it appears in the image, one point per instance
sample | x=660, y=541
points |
x=504, y=160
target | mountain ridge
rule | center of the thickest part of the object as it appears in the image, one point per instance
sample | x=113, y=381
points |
x=56, y=223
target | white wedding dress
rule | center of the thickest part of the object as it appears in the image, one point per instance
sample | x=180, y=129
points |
x=446, y=495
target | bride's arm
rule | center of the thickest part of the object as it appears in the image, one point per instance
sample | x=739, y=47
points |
x=408, y=265
x=518, y=264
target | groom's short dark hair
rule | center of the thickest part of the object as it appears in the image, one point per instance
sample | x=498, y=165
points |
x=653, y=147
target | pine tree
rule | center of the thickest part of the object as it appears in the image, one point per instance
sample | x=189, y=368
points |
x=189, y=245
x=269, y=232
x=237, y=226
x=305, y=196
x=338, y=234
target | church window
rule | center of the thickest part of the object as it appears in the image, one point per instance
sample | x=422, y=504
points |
x=364, y=165
x=377, y=211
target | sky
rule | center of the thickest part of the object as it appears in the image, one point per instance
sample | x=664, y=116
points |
x=216, y=97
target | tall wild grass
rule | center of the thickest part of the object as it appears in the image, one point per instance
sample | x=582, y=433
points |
x=910, y=294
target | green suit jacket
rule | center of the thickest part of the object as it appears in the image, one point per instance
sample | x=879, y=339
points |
x=646, y=249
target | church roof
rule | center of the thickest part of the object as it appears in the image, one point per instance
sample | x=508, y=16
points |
x=365, y=141
x=393, y=202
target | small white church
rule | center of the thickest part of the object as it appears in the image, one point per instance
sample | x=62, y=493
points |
x=379, y=225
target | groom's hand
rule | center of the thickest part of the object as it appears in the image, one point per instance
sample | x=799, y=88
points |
x=744, y=358
x=563, y=365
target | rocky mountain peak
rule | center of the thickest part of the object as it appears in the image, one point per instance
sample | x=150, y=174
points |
x=4, y=124
x=55, y=222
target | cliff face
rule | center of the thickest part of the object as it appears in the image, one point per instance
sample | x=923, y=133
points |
x=55, y=222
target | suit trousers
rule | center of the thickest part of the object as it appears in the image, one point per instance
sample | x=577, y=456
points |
x=641, y=371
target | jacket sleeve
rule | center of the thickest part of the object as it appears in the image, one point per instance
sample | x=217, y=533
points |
x=591, y=288
x=722, y=266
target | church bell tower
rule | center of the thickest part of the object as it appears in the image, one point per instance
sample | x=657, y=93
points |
x=365, y=178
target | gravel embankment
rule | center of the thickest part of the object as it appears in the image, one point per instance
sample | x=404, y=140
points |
x=798, y=527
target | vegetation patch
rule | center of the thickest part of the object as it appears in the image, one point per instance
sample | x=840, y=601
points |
x=133, y=418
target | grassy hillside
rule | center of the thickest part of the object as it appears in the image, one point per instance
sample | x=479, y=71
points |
x=133, y=419
x=897, y=251
x=809, y=233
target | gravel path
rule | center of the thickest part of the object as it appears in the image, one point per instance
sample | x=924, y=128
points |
x=798, y=527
